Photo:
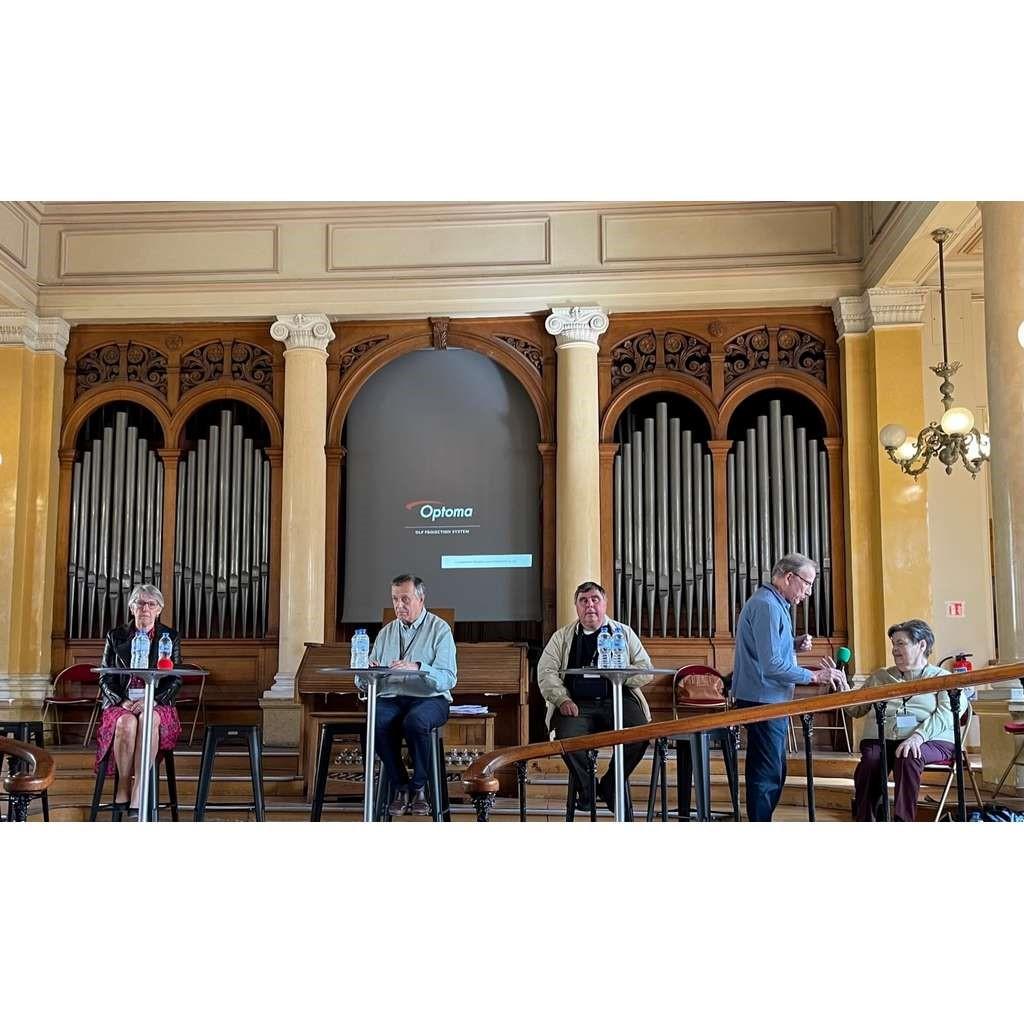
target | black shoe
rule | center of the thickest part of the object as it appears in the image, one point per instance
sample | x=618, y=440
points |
x=606, y=791
x=399, y=803
x=418, y=803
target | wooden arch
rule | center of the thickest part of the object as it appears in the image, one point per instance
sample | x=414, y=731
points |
x=676, y=384
x=206, y=394
x=516, y=364
x=107, y=394
x=787, y=380
x=384, y=343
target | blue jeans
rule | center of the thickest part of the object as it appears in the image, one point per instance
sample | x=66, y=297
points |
x=411, y=719
x=765, y=772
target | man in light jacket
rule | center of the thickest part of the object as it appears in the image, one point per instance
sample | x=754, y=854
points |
x=579, y=705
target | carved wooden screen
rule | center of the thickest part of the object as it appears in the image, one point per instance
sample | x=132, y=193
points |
x=760, y=396
x=138, y=399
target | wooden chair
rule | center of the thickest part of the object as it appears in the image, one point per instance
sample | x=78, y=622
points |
x=948, y=766
x=189, y=699
x=1014, y=729
x=76, y=686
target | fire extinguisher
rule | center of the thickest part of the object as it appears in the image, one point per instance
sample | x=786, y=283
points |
x=961, y=662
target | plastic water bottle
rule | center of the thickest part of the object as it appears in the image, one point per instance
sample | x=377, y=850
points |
x=604, y=647
x=360, y=650
x=618, y=653
x=140, y=650
x=164, y=652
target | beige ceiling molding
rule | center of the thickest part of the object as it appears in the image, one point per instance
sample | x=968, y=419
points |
x=879, y=307
x=21, y=329
x=724, y=232
x=14, y=233
x=852, y=314
x=139, y=252
x=419, y=243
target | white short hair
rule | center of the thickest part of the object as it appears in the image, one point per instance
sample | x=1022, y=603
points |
x=145, y=590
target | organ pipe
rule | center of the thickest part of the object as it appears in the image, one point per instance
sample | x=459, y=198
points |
x=220, y=569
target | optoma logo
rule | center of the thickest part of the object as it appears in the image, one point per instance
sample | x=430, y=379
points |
x=435, y=510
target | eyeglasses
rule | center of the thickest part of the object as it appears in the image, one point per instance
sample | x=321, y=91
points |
x=899, y=645
x=809, y=583
x=147, y=604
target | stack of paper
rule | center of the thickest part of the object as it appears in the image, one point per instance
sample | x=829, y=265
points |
x=468, y=709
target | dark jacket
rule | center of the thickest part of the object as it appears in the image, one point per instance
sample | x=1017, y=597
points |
x=117, y=653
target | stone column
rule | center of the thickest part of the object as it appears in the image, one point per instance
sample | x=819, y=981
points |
x=303, y=510
x=32, y=370
x=887, y=547
x=578, y=460
x=1003, y=232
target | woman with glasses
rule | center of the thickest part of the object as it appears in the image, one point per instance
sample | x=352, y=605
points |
x=918, y=729
x=121, y=719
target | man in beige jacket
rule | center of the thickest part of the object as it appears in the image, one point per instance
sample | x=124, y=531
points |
x=577, y=706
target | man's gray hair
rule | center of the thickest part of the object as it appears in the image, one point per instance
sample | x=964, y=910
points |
x=145, y=590
x=418, y=584
x=793, y=563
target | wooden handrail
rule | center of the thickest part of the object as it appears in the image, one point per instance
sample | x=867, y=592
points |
x=479, y=778
x=41, y=769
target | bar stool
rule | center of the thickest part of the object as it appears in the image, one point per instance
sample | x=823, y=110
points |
x=329, y=732
x=164, y=757
x=694, y=749
x=216, y=734
x=437, y=783
x=26, y=732
x=1014, y=729
x=573, y=794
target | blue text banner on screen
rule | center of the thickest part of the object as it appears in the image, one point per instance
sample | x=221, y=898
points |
x=486, y=561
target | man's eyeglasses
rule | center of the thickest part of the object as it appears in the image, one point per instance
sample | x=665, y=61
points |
x=146, y=604
x=810, y=583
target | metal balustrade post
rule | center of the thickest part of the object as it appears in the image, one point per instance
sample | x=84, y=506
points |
x=958, y=754
x=18, y=805
x=483, y=802
x=521, y=776
x=592, y=764
x=808, y=723
x=880, y=722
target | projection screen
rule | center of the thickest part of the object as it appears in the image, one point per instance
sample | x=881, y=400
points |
x=442, y=479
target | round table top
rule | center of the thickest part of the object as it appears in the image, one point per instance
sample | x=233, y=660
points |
x=377, y=670
x=622, y=673
x=150, y=672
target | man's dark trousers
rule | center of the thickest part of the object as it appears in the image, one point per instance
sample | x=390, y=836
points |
x=411, y=718
x=765, y=772
x=596, y=716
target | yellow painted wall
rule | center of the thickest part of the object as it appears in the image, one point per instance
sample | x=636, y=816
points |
x=30, y=400
x=887, y=511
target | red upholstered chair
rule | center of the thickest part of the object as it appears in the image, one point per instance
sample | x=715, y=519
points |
x=1014, y=729
x=74, y=686
x=948, y=765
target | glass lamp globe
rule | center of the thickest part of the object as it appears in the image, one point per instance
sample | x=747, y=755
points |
x=892, y=435
x=906, y=451
x=957, y=420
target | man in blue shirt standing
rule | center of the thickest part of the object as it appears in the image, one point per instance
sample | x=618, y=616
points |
x=765, y=672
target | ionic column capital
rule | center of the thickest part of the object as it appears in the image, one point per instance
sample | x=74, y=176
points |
x=575, y=326
x=48, y=334
x=303, y=330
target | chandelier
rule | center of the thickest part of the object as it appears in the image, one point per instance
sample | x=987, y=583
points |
x=954, y=438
